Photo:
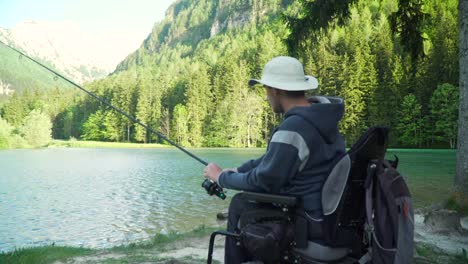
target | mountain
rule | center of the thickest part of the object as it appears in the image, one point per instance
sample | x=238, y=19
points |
x=18, y=73
x=61, y=45
x=191, y=22
x=188, y=79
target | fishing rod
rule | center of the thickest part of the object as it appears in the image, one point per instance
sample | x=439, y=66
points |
x=211, y=187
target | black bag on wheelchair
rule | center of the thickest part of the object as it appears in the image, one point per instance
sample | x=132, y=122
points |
x=266, y=234
x=267, y=241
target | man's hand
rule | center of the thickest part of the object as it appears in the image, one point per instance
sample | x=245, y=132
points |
x=212, y=172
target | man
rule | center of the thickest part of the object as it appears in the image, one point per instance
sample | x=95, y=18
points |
x=300, y=155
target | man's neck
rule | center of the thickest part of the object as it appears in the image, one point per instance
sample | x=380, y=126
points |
x=289, y=103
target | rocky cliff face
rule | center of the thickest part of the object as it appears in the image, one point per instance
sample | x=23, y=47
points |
x=236, y=14
x=5, y=89
x=188, y=22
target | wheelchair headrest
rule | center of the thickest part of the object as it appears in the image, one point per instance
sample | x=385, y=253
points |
x=371, y=145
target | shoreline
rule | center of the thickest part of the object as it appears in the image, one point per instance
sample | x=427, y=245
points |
x=431, y=246
x=174, y=248
x=104, y=144
x=74, y=143
x=160, y=249
x=56, y=143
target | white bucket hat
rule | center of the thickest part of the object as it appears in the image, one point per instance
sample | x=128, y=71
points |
x=285, y=73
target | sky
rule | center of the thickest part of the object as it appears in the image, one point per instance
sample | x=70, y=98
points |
x=121, y=25
x=93, y=16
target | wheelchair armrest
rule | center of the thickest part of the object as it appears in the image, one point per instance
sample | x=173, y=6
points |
x=281, y=200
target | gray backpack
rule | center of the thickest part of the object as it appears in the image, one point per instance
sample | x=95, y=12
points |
x=389, y=215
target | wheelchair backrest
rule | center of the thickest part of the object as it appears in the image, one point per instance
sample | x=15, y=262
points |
x=335, y=184
x=343, y=194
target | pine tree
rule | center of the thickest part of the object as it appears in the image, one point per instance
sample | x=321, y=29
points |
x=237, y=90
x=166, y=123
x=216, y=132
x=125, y=98
x=253, y=115
x=410, y=121
x=112, y=128
x=385, y=99
x=148, y=108
x=198, y=96
x=15, y=110
x=180, y=125
x=94, y=127
x=444, y=110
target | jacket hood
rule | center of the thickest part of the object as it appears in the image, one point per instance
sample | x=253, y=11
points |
x=324, y=113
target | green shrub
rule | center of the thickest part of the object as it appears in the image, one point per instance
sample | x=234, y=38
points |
x=5, y=134
x=37, y=129
x=16, y=141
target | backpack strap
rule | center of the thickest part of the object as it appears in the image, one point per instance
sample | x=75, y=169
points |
x=369, y=202
x=365, y=259
x=369, y=225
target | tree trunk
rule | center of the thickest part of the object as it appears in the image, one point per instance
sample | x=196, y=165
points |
x=128, y=133
x=461, y=178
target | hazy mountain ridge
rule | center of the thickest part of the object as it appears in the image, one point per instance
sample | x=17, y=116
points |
x=62, y=45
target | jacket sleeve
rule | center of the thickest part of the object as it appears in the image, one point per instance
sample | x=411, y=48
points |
x=249, y=165
x=286, y=156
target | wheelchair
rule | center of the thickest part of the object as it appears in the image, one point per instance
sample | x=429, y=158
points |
x=343, y=201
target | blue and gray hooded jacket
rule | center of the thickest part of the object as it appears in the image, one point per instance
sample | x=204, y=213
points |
x=299, y=157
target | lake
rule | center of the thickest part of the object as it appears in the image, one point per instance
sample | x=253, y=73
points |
x=105, y=197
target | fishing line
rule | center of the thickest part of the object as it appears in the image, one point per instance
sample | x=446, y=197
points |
x=211, y=187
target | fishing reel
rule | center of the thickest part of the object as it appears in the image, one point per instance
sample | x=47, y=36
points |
x=213, y=188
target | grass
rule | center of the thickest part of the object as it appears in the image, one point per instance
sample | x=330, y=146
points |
x=133, y=252
x=454, y=204
x=426, y=254
x=73, y=143
x=162, y=240
x=50, y=254
x=100, y=144
x=41, y=255
x=429, y=173
x=155, y=260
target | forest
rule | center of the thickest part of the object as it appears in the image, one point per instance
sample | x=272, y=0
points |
x=189, y=79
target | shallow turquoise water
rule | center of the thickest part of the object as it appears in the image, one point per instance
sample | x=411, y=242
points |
x=104, y=197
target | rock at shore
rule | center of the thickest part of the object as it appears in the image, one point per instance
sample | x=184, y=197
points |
x=443, y=220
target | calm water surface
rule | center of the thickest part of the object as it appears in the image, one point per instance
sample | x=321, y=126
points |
x=105, y=197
